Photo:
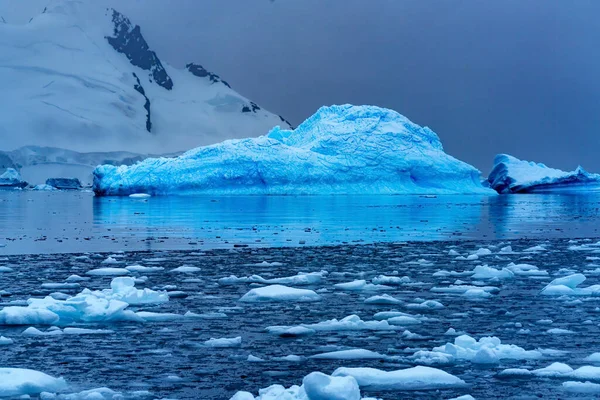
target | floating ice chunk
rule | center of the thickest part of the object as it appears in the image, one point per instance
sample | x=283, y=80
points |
x=464, y=397
x=27, y=316
x=350, y=323
x=477, y=294
x=453, y=253
x=31, y=331
x=360, y=285
x=567, y=285
x=91, y=394
x=506, y=250
x=265, y=264
x=535, y=249
x=44, y=188
x=581, y=387
x=280, y=293
x=383, y=299
x=416, y=378
x=319, y=386
x=20, y=382
x=111, y=260
x=291, y=332
x=224, y=342
x=4, y=341
x=594, y=357
x=511, y=175
x=108, y=271
x=483, y=272
x=87, y=306
x=67, y=285
x=186, y=269
x=525, y=269
x=140, y=195
x=312, y=278
x=252, y=358
x=210, y=315
x=559, y=331
x=432, y=357
x=390, y=280
x=83, y=331
x=426, y=305
x=487, y=349
x=141, y=268
x=461, y=289
x=352, y=354
x=5, y=269
x=76, y=278
x=482, y=252
x=124, y=289
x=403, y=320
x=158, y=317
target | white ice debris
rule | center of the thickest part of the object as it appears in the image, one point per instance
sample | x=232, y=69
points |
x=186, y=269
x=488, y=350
x=360, y=285
x=483, y=272
x=87, y=306
x=224, y=342
x=382, y=299
x=416, y=378
x=350, y=323
x=567, y=286
x=301, y=278
x=23, y=382
x=390, y=280
x=315, y=386
x=557, y=370
x=279, y=293
x=351, y=354
x=108, y=272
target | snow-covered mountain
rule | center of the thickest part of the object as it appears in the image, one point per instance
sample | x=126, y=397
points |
x=81, y=76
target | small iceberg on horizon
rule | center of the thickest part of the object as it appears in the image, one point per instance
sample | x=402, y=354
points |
x=511, y=175
x=341, y=149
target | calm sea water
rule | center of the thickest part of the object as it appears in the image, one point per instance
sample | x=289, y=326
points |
x=37, y=222
x=333, y=233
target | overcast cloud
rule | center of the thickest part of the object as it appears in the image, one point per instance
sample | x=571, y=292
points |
x=515, y=76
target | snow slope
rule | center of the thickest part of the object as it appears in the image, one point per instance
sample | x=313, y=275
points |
x=81, y=76
x=339, y=150
x=511, y=175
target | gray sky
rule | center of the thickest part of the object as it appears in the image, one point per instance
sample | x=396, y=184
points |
x=515, y=76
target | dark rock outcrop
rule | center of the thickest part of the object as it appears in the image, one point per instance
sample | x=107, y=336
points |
x=128, y=39
x=138, y=86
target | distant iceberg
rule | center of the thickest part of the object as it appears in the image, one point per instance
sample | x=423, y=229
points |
x=11, y=179
x=339, y=150
x=511, y=175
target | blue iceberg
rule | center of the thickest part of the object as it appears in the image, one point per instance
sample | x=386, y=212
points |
x=342, y=149
x=11, y=179
x=511, y=175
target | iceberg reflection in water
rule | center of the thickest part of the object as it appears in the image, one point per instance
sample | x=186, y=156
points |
x=40, y=222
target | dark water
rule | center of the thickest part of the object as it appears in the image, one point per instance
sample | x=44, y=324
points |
x=34, y=222
x=142, y=356
x=343, y=230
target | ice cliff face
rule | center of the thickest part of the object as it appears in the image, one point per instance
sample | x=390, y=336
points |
x=11, y=179
x=339, y=150
x=511, y=175
x=82, y=77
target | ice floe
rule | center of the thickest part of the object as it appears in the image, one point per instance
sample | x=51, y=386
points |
x=279, y=293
